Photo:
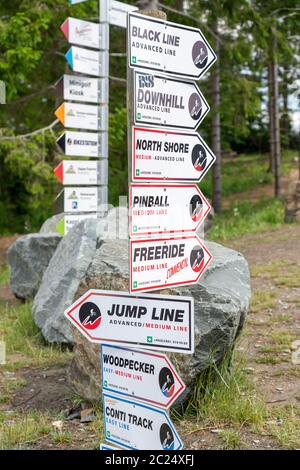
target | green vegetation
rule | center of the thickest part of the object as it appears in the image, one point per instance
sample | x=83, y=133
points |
x=4, y=274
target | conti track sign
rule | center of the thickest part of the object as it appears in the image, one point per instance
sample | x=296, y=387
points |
x=169, y=208
x=146, y=321
x=160, y=155
x=140, y=375
x=161, y=101
x=137, y=426
x=165, y=262
x=168, y=47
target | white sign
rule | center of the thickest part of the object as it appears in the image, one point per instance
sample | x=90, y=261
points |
x=167, y=209
x=80, y=116
x=69, y=221
x=118, y=13
x=86, y=61
x=77, y=172
x=137, y=426
x=76, y=88
x=80, y=199
x=165, y=262
x=168, y=47
x=161, y=155
x=140, y=375
x=82, y=33
x=146, y=321
x=74, y=2
x=81, y=144
x=165, y=102
x=108, y=447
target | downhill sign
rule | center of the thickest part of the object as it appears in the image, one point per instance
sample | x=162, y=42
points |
x=80, y=172
x=76, y=88
x=81, y=116
x=86, y=61
x=82, y=144
x=161, y=101
x=167, y=209
x=82, y=33
x=78, y=199
x=136, y=426
x=161, y=155
x=168, y=47
x=166, y=262
x=140, y=375
x=145, y=321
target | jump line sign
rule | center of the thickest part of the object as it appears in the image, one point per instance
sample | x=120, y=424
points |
x=166, y=102
x=165, y=209
x=146, y=321
x=140, y=375
x=163, y=155
x=168, y=47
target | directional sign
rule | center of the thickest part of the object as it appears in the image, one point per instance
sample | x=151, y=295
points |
x=69, y=221
x=160, y=155
x=140, y=375
x=161, y=101
x=80, y=199
x=82, y=33
x=136, y=426
x=81, y=144
x=118, y=13
x=76, y=88
x=74, y=2
x=80, y=116
x=167, y=209
x=168, y=47
x=146, y=321
x=108, y=447
x=165, y=262
x=86, y=61
x=73, y=172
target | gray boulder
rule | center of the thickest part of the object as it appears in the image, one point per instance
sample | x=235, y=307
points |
x=28, y=258
x=221, y=301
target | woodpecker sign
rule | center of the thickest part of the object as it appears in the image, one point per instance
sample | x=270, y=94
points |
x=166, y=262
x=140, y=375
x=136, y=426
x=147, y=321
x=164, y=102
x=161, y=155
x=172, y=208
x=168, y=47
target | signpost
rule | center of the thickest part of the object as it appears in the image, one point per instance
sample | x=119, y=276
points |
x=140, y=375
x=168, y=47
x=167, y=209
x=82, y=116
x=82, y=33
x=77, y=199
x=118, y=13
x=159, y=263
x=136, y=426
x=162, y=155
x=86, y=61
x=80, y=172
x=146, y=321
x=77, y=88
x=82, y=144
x=165, y=102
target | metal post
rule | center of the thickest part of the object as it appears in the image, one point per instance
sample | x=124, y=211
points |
x=104, y=22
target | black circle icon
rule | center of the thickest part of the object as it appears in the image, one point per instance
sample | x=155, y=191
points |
x=200, y=54
x=195, y=106
x=196, y=207
x=199, y=157
x=197, y=258
x=166, y=437
x=90, y=315
x=166, y=382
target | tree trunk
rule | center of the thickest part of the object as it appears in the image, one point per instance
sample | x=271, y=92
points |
x=275, y=106
x=285, y=121
x=271, y=117
x=216, y=126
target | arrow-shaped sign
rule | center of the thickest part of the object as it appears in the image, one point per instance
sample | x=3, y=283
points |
x=81, y=172
x=81, y=116
x=82, y=33
x=136, y=426
x=166, y=209
x=81, y=144
x=161, y=155
x=76, y=88
x=140, y=375
x=74, y=2
x=86, y=61
x=78, y=199
x=69, y=221
x=164, y=102
x=118, y=13
x=166, y=262
x=144, y=321
x=168, y=47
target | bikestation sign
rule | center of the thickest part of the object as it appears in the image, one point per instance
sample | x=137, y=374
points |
x=166, y=209
x=140, y=375
x=82, y=144
x=147, y=321
x=163, y=155
x=168, y=47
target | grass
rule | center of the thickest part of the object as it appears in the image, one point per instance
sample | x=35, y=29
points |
x=287, y=432
x=283, y=273
x=262, y=300
x=25, y=345
x=17, y=432
x=231, y=438
x=4, y=275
